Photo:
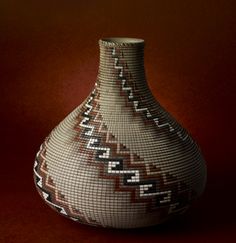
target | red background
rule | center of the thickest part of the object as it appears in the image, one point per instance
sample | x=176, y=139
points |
x=49, y=62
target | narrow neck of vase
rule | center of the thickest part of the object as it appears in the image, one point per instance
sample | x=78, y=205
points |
x=122, y=60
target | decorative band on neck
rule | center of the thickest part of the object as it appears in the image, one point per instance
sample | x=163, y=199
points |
x=121, y=41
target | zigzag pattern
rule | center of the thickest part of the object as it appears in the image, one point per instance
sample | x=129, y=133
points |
x=136, y=102
x=115, y=166
x=146, y=189
x=48, y=190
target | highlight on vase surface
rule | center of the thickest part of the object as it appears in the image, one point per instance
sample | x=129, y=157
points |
x=120, y=159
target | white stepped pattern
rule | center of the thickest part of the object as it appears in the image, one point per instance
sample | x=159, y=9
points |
x=137, y=102
x=92, y=144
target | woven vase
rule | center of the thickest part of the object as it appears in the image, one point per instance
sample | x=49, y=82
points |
x=119, y=159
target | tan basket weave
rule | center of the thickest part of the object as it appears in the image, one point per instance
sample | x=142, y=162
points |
x=119, y=159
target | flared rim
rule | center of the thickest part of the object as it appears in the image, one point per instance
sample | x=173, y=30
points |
x=121, y=41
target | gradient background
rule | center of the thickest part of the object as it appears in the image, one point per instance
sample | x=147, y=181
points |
x=49, y=62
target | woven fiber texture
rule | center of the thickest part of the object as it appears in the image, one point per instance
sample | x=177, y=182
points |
x=120, y=159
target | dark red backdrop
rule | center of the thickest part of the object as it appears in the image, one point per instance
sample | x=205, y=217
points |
x=49, y=63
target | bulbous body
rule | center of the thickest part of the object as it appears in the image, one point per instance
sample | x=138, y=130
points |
x=119, y=159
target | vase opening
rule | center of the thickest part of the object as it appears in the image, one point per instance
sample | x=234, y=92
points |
x=122, y=41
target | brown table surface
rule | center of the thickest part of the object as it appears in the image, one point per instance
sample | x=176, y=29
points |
x=49, y=61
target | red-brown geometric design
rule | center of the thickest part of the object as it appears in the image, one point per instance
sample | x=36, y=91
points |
x=49, y=192
x=132, y=162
